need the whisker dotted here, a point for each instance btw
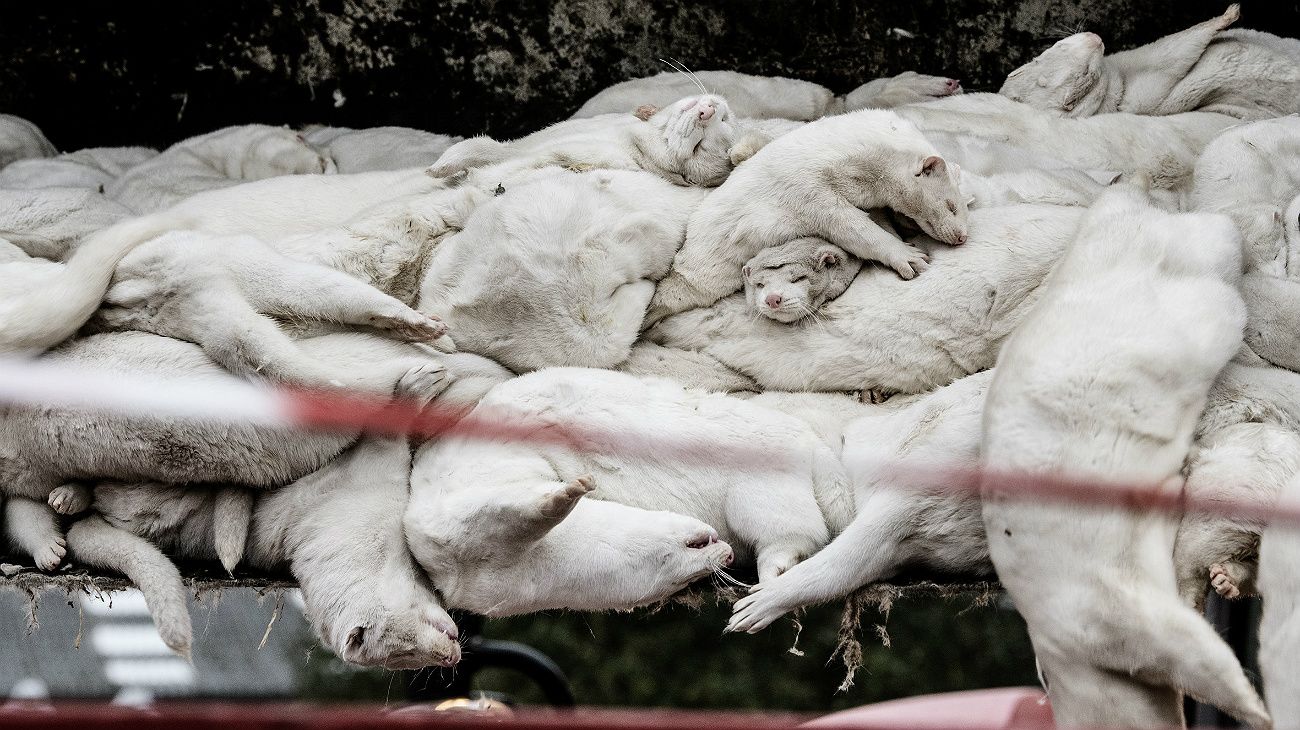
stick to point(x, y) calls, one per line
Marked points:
point(694, 77)
point(729, 579)
point(681, 68)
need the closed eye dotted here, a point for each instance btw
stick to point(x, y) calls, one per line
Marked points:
point(801, 278)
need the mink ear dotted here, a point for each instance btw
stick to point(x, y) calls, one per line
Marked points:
point(827, 257)
point(931, 165)
point(645, 111)
point(356, 637)
point(746, 271)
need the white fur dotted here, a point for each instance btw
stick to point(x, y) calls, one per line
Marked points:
point(902, 520)
point(49, 223)
point(1073, 78)
point(1105, 380)
point(1165, 148)
point(43, 452)
point(1273, 322)
point(559, 270)
point(43, 303)
point(292, 205)
point(1054, 187)
point(92, 168)
point(767, 97)
point(215, 160)
point(1279, 630)
point(1242, 73)
point(1251, 174)
point(817, 181)
point(693, 141)
point(21, 140)
point(772, 514)
point(890, 334)
point(390, 244)
point(750, 96)
point(338, 530)
point(221, 292)
point(691, 369)
point(502, 528)
point(379, 148)
point(1246, 463)
point(908, 87)
point(793, 280)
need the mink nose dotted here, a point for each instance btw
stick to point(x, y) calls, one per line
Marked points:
point(953, 84)
point(961, 238)
point(706, 111)
point(773, 300)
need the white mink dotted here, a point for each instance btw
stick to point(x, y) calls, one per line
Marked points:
point(284, 211)
point(44, 453)
point(888, 334)
point(21, 140)
point(818, 180)
point(1279, 628)
point(42, 303)
point(92, 168)
point(1074, 78)
point(1251, 173)
point(779, 505)
point(50, 223)
point(507, 551)
point(378, 148)
point(1273, 319)
point(693, 141)
point(1165, 148)
point(908, 87)
point(902, 517)
point(292, 205)
point(1245, 463)
point(558, 270)
point(1245, 393)
point(338, 530)
point(1105, 380)
point(1244, 74)
point(931, 433)
point(687, 367)
point(793, 280)
point(767, 97)
point(218, 159)
point(1053, 187)
point(223, 293)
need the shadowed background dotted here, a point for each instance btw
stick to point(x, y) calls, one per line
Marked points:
point(152, 73)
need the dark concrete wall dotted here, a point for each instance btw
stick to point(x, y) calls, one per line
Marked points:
point(111, 73)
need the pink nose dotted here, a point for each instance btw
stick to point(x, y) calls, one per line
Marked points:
point(706, 112)
point(961, 238)
point(773, 300)
point(953, 84)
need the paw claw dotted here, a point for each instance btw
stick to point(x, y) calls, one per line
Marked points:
point(1222, 582)
point(912, 264)
point(582, 485)
point(423, 383)
point(412, 325)
point(49, 557)
point(70, 499)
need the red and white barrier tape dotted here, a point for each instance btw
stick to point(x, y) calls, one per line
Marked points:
point(42, 384)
